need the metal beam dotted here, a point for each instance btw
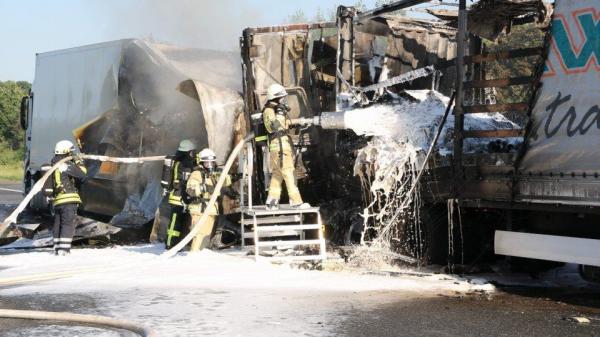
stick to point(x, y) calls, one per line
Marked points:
point(504, 133)
point(512, 107)
point(501, 82)
point(461, 44)
point(394, 6)
point(503, 55)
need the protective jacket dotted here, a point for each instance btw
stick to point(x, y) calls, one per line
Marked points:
point(200, 187)
point(64, 181)
point(277, 124)
point(181, 174)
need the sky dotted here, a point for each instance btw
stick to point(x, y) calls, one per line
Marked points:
point(28, 27)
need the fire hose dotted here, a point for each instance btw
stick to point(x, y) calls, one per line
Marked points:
point(94, 320)
point(99, 320)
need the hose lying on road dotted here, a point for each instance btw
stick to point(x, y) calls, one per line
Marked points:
point(40, 183)
point(92, 320)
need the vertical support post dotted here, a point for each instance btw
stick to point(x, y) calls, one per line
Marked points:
point(461, 42)
point(322, 248)
point(250, 172)
point(254, 226)
point(242, 167)
point(345, 56)
point(475, 48)
point(242, 229)
point(302, 233)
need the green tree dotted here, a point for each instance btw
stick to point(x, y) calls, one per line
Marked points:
point(297, 17)
point(11, 134)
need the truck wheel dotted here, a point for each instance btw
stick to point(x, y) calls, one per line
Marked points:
point(39, 202)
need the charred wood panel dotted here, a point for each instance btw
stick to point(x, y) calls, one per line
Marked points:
point(493, 133)
point(514, 107)
point(501, 82)
point(503, 55)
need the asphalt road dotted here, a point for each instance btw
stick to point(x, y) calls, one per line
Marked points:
point(521, 310)
point(10, 192)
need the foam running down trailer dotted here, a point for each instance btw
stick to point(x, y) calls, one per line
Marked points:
point(536, 198)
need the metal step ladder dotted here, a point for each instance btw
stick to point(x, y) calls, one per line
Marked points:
point(286, 227)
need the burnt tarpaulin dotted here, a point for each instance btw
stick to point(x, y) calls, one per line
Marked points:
point(279, 58)
point(151, 118)
point(220, 107)
point(413, 44)
point(566, 116)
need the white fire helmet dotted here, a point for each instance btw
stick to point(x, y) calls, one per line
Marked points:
point(275, 91)
point(64, 147)
point(207, 155)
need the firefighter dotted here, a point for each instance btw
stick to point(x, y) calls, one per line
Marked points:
point(277, 123)
point(66, 197)
point(200, 187)
point(183, 164)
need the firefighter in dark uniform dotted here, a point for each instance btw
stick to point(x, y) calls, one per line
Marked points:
point(66, 197)
point(183, 164)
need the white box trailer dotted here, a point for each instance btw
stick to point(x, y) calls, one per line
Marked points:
point(71, 87)
point(128, 98)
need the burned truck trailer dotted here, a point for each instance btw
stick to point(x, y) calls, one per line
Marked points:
point(530, 191)
point(128, 98)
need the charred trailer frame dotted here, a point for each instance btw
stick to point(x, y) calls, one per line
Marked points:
point(342, 60)
point(491, 188)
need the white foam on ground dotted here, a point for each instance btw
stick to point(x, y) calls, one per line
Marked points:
point(211, 293)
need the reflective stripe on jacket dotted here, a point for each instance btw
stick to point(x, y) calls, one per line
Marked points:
point(277, 126)
point(200, 186)
point(65, 191)
point(180, 176)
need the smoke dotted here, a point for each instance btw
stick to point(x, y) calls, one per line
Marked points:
point(202, 24)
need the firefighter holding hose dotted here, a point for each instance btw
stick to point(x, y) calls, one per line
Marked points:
point(278, 123)
point(66, 198)
point(174, 182)
point(200, 187)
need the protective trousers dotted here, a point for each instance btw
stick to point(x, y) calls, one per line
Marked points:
point(282, 169)
point(202, 239)
point(65, 221)
point(176, 226)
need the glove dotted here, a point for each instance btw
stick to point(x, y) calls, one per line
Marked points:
point(77, 159)
point(236, 176)
point(231, 193)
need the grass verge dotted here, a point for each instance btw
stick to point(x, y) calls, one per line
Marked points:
point(11, 172)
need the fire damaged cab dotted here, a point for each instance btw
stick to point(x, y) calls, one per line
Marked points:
point(128, 98)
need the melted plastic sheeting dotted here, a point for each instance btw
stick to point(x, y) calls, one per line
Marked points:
point(155, 110)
